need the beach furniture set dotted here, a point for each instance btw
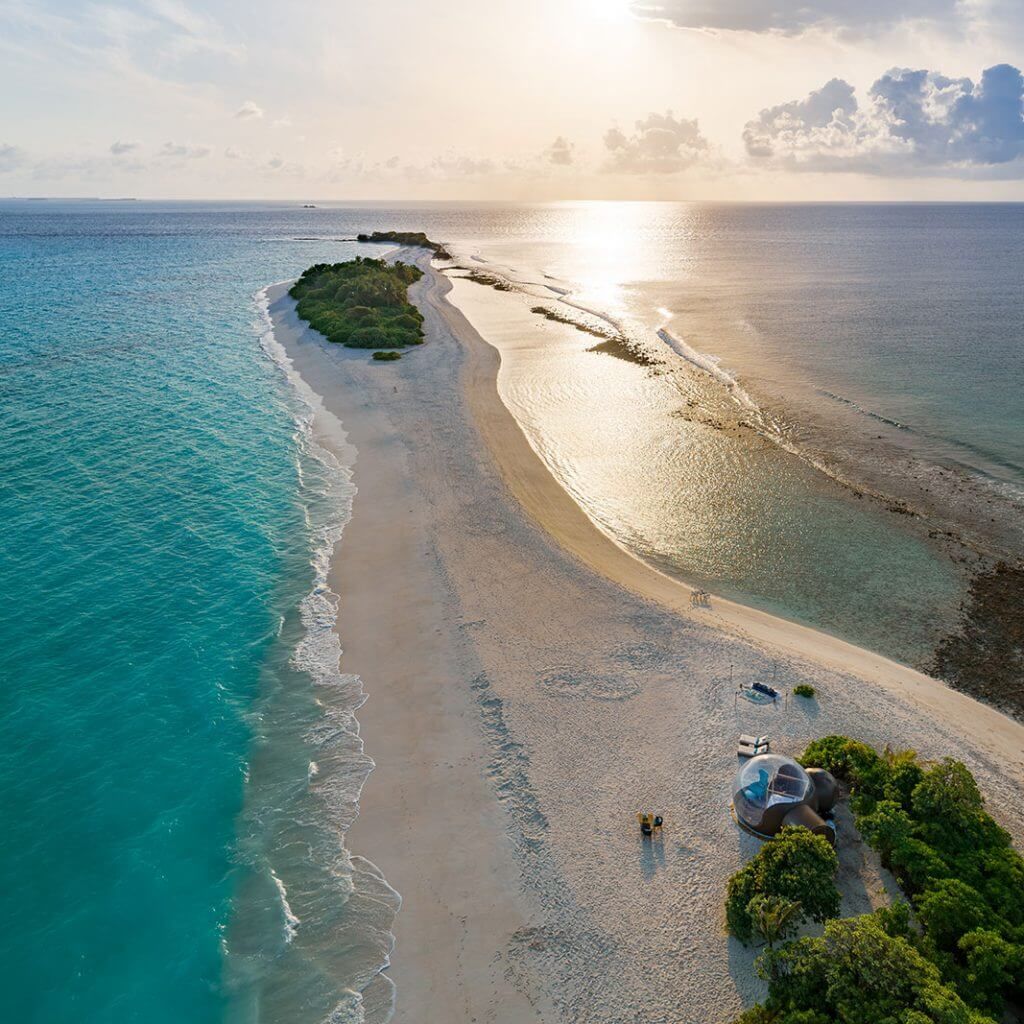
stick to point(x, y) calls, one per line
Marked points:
point(752, 746)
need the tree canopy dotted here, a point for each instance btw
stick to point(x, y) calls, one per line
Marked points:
point(796, 867)
point(362, 303)
point(953, 953)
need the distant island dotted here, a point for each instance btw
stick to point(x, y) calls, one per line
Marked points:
point(412, 238)
point(362, 303)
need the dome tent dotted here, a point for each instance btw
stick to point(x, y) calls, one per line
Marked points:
point(771, 791)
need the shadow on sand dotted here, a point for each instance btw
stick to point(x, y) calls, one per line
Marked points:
point(652, 855)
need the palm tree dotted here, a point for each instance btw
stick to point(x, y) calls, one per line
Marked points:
point(775, 918)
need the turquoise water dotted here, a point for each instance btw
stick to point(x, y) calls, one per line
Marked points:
point(156, 543)
point(177, 755)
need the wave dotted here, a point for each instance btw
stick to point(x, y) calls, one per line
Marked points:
point(291, 921)
point(709, 364)
point(354, 907)
point(865, 412)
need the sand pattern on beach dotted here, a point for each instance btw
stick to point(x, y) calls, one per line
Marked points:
point(523, 707)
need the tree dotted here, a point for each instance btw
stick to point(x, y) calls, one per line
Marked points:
point(857, 973)
point(904, 774)
point(949, 909)
point(798, 867)
point(994, 967)
point(949, 805)
point(851, 761)
point(917, 864)
point(887, 827)
point(774, 918)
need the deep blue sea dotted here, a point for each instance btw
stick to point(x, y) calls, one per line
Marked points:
point(175, 784)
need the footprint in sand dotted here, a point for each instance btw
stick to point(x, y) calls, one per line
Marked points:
point(572, 684)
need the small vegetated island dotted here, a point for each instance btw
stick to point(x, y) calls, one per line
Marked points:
point(362, 303)
point(950, 952)
point(415, 239)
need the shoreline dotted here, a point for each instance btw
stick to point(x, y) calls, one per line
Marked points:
point(380, 575)
point(530, 684)
point(953, 543)
point(547, 502)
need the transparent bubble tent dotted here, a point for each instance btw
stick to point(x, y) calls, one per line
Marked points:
point(771, 791)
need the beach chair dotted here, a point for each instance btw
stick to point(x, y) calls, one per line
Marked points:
point(751, 746)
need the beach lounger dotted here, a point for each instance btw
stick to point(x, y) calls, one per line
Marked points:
point(751, 746)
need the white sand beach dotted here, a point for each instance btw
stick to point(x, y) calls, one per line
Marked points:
point(531, 686)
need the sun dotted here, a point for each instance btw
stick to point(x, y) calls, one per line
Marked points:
point(608, 10)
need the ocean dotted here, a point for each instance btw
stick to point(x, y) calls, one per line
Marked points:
point(178, 752)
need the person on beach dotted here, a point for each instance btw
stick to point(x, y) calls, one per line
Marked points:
point(649, 823)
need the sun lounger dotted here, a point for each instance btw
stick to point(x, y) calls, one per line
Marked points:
point(751, 746)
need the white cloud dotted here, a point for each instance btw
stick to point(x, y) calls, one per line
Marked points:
point(10, 158)
point(913, 122)
point(178, 151)
point(790, 17)
point(249, 111)
point(661, 144)
point(560, 152)
point(122, 148)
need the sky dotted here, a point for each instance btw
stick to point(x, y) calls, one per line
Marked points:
point(513, 99)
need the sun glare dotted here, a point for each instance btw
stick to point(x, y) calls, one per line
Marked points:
point(608, 10)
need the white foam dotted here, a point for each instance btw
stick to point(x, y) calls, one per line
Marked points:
point(709, 364)
point(324, 461)
point(291, 922)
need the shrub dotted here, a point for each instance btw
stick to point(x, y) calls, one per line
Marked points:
point(950, 909)
point(962, 957)
point(887, 828)
point(798, 867)
point(858, 973)
point(855, 763)
point(992, 966)
point(804, 690)
point(386, 357)
point(361, 303)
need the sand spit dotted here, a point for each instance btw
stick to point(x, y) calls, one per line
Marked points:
point(531, 686)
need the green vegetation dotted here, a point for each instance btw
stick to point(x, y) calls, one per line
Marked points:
point(361, 304)
point(952, 954)
point(804, 690)
point(796, 867)
point(416, 239)
point(860, 971)
point(387, 357)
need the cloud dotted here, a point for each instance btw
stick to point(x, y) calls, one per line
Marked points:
point(791, 17)
point(660, 145)
point(11, 158)
point(913, 122)
point(176, 151)
point(249, 111)
point(560, 152)
point(121, 148)
point(461, 166)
